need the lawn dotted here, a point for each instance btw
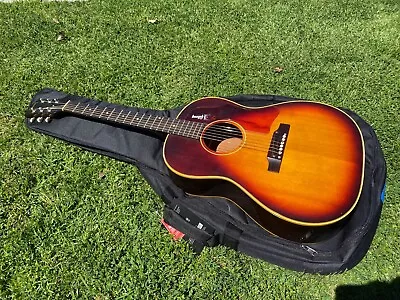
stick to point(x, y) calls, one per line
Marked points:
point(74, 224)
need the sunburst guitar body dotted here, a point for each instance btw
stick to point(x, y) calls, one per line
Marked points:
point(290, 166)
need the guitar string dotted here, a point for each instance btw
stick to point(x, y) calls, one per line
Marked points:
point(109, 115)
point(214, 129)
point(73, 108)
point(182, 131)
point(139, 119)
point(216, 137)
point(217, 128)
point(212, 134)
point(276, 145)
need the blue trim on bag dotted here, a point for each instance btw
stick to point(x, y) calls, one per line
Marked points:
point(383, 193)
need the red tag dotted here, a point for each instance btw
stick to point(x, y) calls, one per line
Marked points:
point(176, 234)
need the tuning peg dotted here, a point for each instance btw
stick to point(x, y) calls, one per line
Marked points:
point(31, 120)
point(47, 120)
point(40, 119)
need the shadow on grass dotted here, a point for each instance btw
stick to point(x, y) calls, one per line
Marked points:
point(373, 290)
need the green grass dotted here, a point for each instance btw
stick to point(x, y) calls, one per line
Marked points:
point(65, 232)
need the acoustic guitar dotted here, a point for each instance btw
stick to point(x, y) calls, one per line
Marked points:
point(293, 167)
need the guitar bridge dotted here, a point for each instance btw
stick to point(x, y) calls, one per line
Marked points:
point(277, 147)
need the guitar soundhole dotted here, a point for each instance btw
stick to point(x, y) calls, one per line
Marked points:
point(222, 138)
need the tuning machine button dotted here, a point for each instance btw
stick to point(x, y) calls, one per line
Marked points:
point(31, 120)
point(39, 119)
point(47, 120)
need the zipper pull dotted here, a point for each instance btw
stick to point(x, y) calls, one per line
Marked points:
point(310, 250)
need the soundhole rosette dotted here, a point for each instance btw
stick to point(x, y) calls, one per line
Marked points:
point(222, 137)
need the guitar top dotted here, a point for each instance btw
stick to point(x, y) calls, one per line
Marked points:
point(301, 161)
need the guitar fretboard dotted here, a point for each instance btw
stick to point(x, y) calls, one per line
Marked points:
point(126, 117)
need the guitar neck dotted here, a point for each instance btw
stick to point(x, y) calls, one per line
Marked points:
point(125, 117)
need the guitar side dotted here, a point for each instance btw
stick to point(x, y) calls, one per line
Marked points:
point(316, 181)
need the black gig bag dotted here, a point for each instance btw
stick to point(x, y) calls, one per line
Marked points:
point(212, 221)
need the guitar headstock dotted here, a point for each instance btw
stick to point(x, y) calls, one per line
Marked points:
point(45, 110)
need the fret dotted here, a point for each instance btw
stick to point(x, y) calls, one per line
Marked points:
point(65, 105)
point(93, 110)
point(75, 107)
point(133, 118)
point(169, 128)
point(183, 127)
point(173, 125)
point(200, 129)
point(191, 127)
point(102, 112)
point(197, 132)
point(178, 126)
point(188, 134)
point(156, 127)
point(116, 119)
point(162, 124)
point(85, 109)
point(147, 120)
point(109, 115)
point(126, 117)
point(140, 120)
point(187, 129)
point(165, 124)
point(152, 124)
